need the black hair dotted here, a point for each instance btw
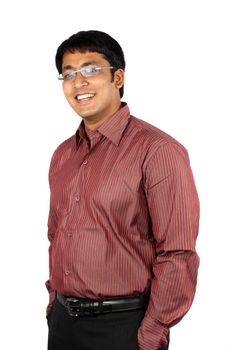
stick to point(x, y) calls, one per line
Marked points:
point(93, 41)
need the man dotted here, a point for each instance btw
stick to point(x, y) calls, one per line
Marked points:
point(123, 215)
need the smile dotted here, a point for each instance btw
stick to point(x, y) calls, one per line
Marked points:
point(84, 97)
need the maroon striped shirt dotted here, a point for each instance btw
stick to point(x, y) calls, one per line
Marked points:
point(123, 220)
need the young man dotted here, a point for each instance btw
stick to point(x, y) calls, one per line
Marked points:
point(123, 216)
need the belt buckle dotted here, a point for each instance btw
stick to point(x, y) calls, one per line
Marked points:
point(73, 310)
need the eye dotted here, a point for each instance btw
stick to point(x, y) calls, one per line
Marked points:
point(89, 71)
point(69, 75)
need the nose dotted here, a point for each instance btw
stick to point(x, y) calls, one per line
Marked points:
point(80, 81)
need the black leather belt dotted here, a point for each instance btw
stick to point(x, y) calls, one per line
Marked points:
point(89, 307)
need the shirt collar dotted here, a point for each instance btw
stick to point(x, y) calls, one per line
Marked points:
point(112, 128)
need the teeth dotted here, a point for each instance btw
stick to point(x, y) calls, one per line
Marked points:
point(81, 97)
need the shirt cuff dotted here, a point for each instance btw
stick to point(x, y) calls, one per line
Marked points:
point(51, 301)
point(152, 335)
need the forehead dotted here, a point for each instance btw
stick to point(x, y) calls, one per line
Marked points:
point(78, 59)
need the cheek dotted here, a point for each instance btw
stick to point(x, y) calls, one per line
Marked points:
point(68, 96)
point(66, 90)
point(106, 90)
point(104, 84)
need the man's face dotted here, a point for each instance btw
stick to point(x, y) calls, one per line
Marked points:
point(94, 98)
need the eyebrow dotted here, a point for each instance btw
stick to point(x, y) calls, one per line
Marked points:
point(70, 66)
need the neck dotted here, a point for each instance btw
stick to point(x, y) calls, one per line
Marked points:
point(91, 125)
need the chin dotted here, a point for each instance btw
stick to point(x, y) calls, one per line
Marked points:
point(86, 114)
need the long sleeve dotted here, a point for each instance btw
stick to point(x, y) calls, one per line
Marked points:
point(174, 210)
point(51, 232)
point(52, 226)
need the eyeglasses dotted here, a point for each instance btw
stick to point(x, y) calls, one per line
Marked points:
point(88, 71)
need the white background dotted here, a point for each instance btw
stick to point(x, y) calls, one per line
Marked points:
point(179, 77)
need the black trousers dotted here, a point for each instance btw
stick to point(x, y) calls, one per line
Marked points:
point(113, 331)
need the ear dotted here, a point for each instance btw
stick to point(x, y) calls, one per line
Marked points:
point(119, 78)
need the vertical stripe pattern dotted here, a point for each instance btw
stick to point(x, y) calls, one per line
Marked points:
point(123, 220)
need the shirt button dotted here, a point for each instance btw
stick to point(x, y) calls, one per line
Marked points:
point(67, 272)
point(77, 198)
point(85, 161)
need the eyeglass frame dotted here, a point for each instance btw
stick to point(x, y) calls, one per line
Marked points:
point(81, 70)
